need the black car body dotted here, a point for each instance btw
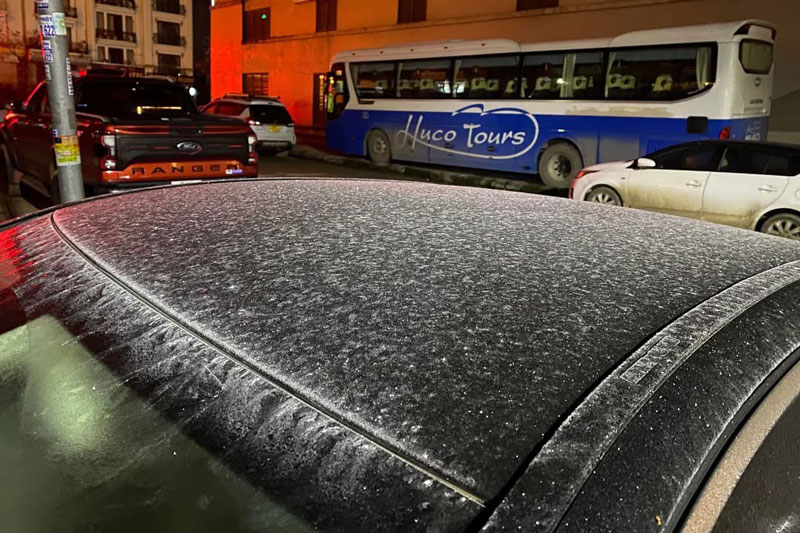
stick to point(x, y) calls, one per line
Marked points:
point(379, 356)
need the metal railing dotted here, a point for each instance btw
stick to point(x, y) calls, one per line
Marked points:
point(70, 11)
point(169, 6)
point(130, 4)
point(79, 48)
point(169, 38)
point(115, 35)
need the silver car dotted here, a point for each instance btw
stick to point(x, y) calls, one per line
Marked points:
point(268, 118)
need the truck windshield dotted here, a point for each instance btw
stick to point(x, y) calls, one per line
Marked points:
point(130, 100)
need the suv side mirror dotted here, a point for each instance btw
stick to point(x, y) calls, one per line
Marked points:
point(643, 163)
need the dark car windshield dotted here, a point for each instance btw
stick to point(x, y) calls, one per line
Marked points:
point(270, 114)
point(127, 99)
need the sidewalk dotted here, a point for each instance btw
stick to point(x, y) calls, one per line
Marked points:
point(447, 176)
point(13, 205)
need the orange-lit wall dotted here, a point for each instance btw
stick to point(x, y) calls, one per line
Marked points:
point(226, 49)
point(295, 53)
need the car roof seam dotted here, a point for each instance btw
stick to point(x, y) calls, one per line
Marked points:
point(427, 471)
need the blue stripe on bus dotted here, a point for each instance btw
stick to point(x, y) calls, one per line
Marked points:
point(511, 139)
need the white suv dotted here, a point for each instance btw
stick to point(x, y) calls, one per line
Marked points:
point(268, 118)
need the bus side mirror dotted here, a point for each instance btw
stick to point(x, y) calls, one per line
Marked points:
point(643, 163)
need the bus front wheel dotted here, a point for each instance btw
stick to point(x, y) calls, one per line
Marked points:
point(378, 148)
point(559, 164)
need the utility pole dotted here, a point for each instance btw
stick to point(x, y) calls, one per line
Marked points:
point(60, 93)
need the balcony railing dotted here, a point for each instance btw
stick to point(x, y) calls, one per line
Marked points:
point(70, 11)
point(116, 35)
point(169, 6)
point(130, 4)
point(79, 48)
point(169, 38)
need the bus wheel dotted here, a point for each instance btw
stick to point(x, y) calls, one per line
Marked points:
point(559, 164)
point(378, 147)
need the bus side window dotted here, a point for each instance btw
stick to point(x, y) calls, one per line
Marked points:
point(374, 80)
point(427, 78)
point(487, 77)
point(544, 74)
point(659, 73)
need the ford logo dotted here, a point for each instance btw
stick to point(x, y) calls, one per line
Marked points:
point(189, 147)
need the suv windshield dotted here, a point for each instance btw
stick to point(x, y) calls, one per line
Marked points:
point(270, 114)
point(134, 99)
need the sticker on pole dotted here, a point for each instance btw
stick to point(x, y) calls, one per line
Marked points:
point(59, 23)
point(46, 25)
point(47, 51)
point(67, 150)
point(42, 6)
point(70, 88)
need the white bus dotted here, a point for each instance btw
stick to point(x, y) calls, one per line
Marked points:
point(552, 108)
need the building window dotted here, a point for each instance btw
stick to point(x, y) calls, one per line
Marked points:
point(255, 25)
point(326, 15)
point(524, 5)
point(129, 56)
point(169, 64)
point(168, 33)
point(411, 11)
point(115, 55)
point(256, 84)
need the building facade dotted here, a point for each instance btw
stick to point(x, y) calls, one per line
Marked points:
point(148, 36)
point(282, 47)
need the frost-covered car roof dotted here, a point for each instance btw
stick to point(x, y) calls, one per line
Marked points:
point(413, 348)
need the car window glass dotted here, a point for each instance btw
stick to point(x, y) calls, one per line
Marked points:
point(743, 160)
point(210, 108)
point(270, 114)
point(126, 99)
point(229, 108)
point(783, 165)
point(692, 158)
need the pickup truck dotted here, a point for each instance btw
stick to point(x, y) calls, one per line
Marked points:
point(131, 132)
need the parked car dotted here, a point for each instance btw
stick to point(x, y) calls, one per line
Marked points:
point(746, 184)
point(268, 117)
point(344, 355)
point(131, 132)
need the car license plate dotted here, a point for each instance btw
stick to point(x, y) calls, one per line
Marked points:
point(274, 129)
